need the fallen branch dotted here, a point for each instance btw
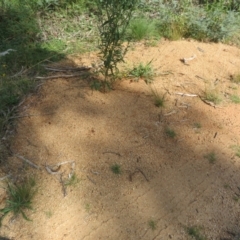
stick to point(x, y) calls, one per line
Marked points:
point(52, 171)
point(27, 161)
point(209, 103)
point(62, 76)
point(7, 52)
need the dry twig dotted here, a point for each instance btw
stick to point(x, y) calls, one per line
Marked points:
point(27, 161)
point(62, 76)
point(187, 94)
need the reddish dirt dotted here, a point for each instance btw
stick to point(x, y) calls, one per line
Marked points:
point(168, 181)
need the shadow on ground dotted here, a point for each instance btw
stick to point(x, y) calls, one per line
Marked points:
point(167, 184)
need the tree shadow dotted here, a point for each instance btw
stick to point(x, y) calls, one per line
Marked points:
point(184, 189)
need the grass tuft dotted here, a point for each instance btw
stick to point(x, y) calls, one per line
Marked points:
point(170, 132)
point(20, 198)
point(211, 157)
point(152, 224)
point(235, 99)
point(145, 72)
point(159, 99)
point(212, 95)
point(197, 125)
point(72, 181)
point(195, 232)
point(116, 169)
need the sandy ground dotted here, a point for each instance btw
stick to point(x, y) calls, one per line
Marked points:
point(166, 184)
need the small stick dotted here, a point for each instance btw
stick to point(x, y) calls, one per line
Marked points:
point(62, 76)
point(200, 78)
point(209, 103)
point(27, 161)
point(68, 69)
point(187, 94)
point(91, 180)
point(50, 171)
point(168, 114)
point(186, 60)
point(113, 153)
point(143, 174)
point(137, 170)
point(63, 186)
point(62, 163)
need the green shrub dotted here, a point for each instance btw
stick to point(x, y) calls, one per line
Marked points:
point(113, 19)
point(142, 28)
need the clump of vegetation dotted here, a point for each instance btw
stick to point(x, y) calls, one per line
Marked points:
point(211, 157)
point(20, 198)
point(197, 125)
point(235, 99)
point(235, 78)
point(195, 232)
point(116, 169)
point(72, 181)
point(170, 132)
point(49, 214)
point(212, 95)
point(214, 21)
point(152, 224)
point(143, 71)
point(236, 148)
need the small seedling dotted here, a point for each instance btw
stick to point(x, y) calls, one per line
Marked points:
point(72, 181)
point(195, 232)
point(236, 148)
point(49, 213)
point(211, 157)
point(116, 169)
point(159, 100)
point(170, 132)
point(87, 207)
point(145, 72)
point(197, 125)
point(152, 224)
point(235, 98)
point(20, 198)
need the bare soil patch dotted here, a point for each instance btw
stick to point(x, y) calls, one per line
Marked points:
point(166, 185)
